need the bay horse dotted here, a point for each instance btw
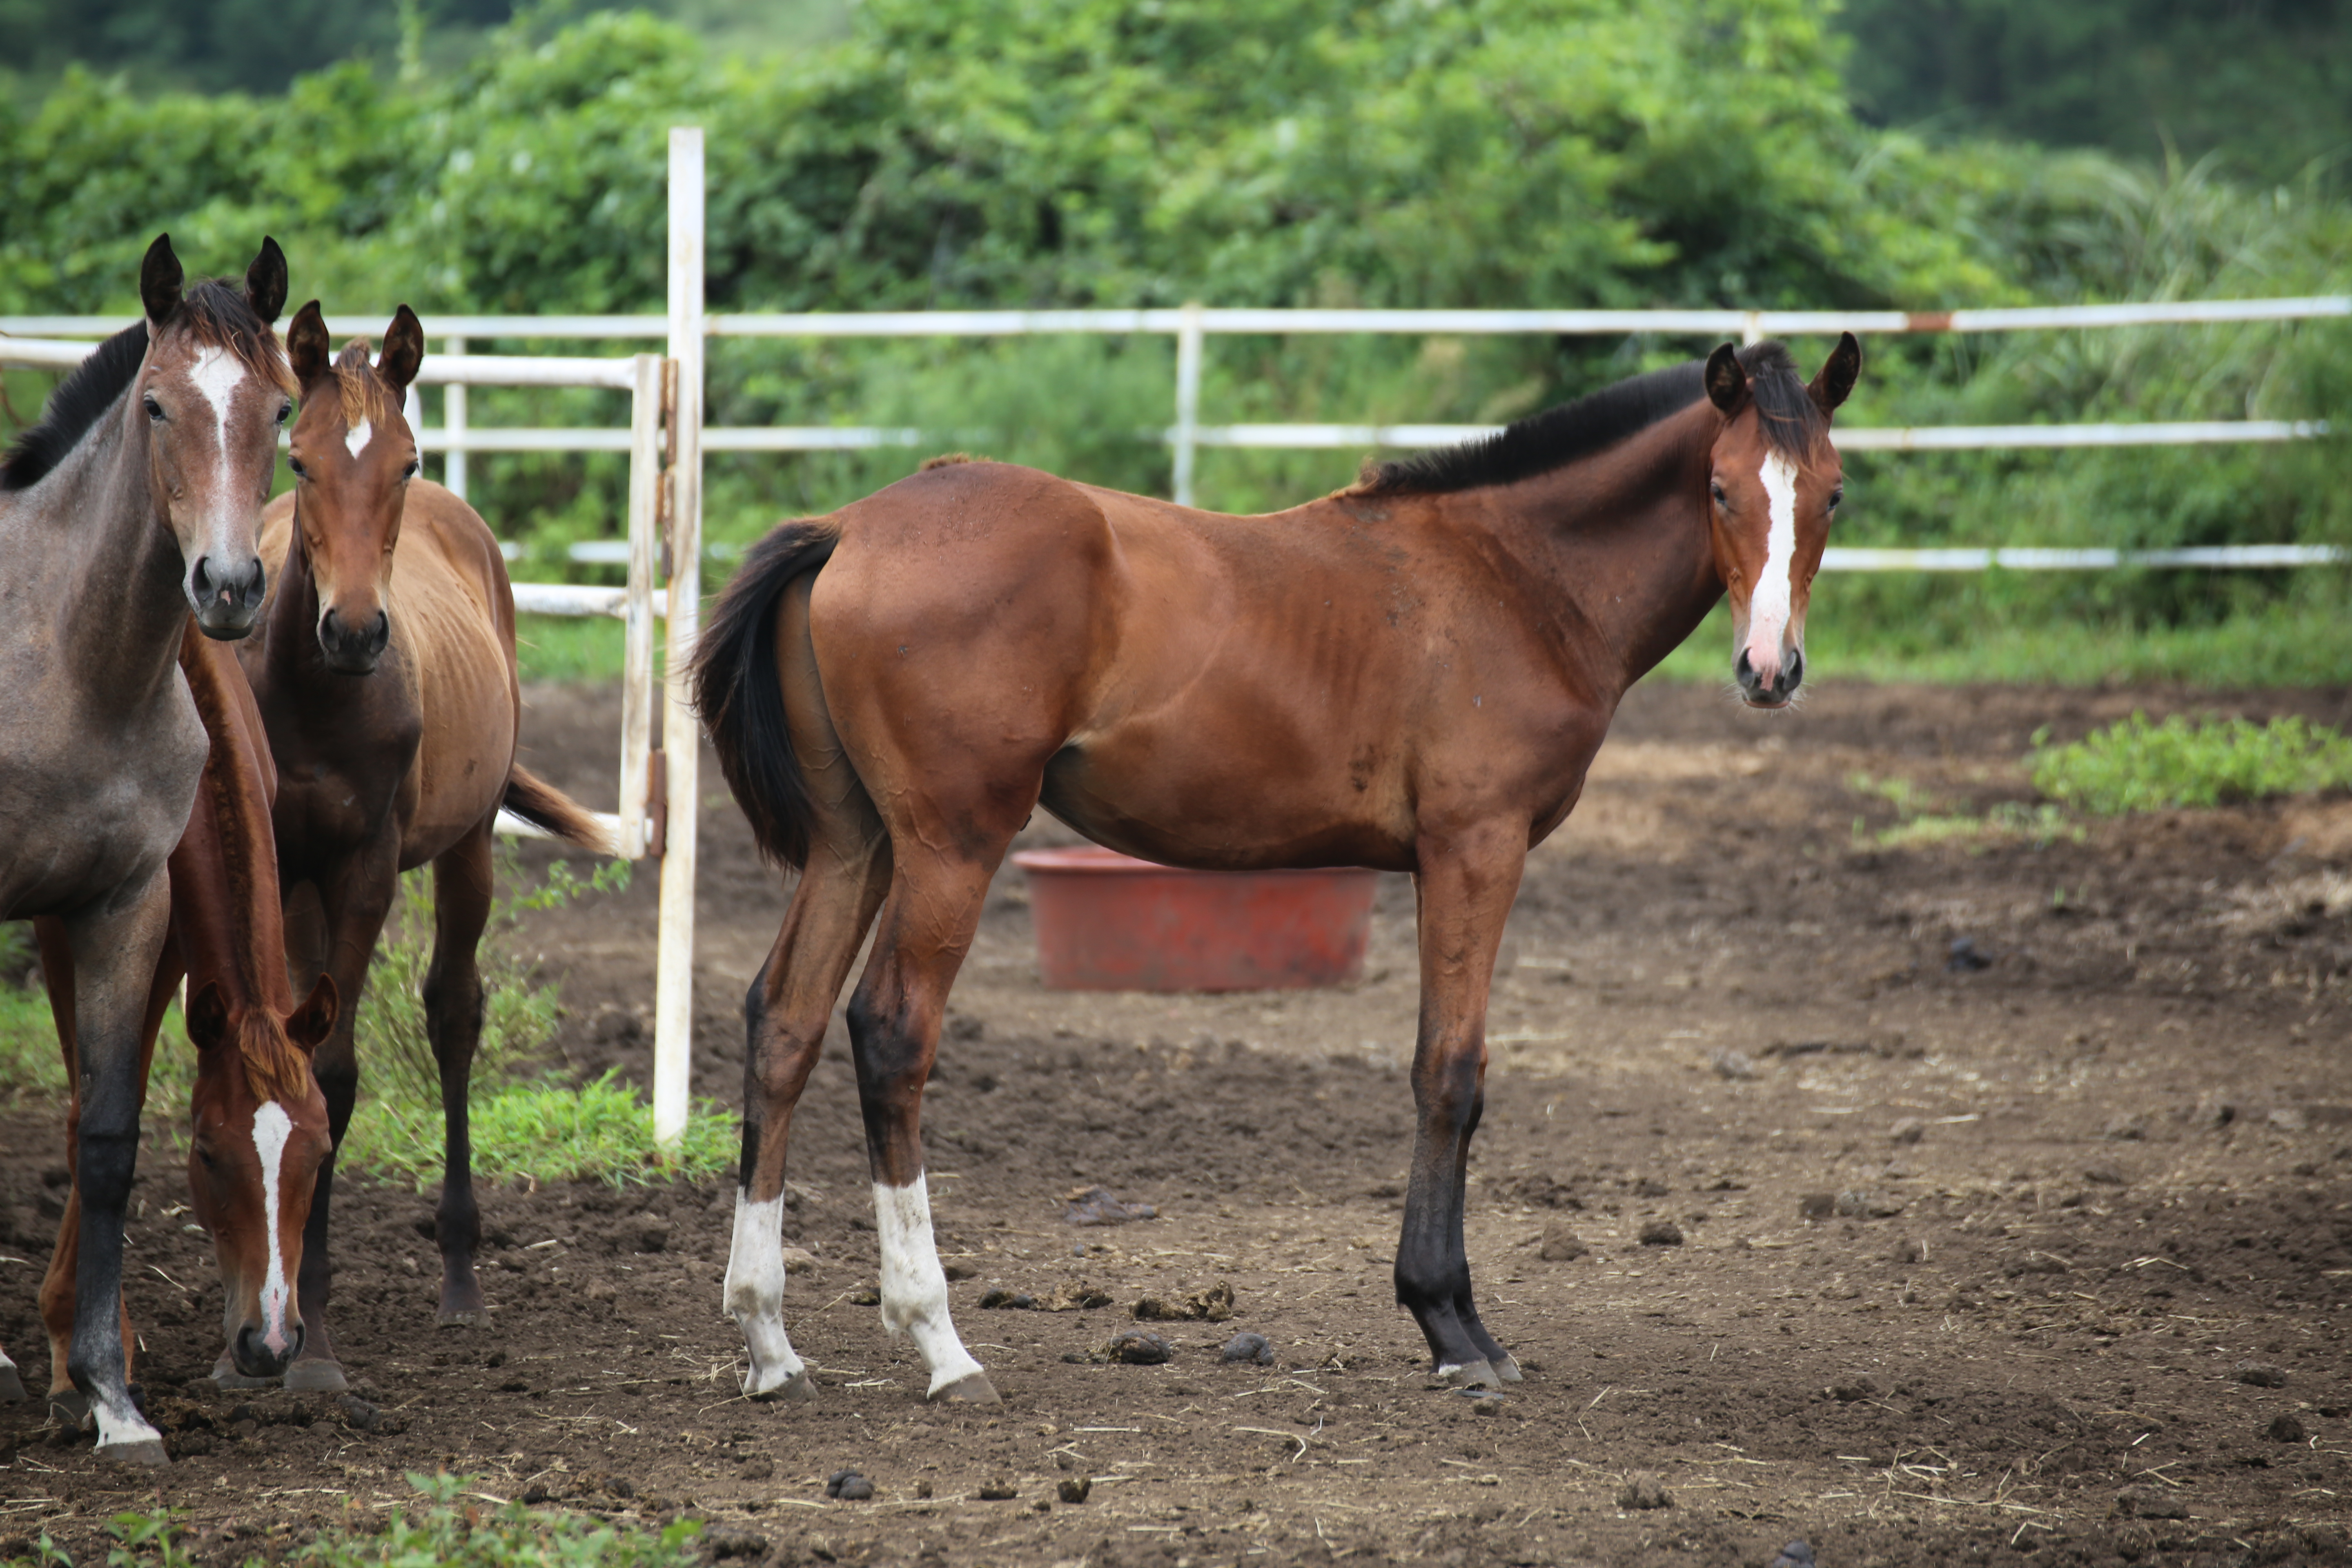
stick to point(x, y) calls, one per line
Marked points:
point(131, 503)
point(1412, 674)
point(384, 670)
point(259, 1121)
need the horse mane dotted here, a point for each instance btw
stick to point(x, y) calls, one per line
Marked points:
point(1559, 436)
point(365, 394)
point(213, 308)
point(87, 391)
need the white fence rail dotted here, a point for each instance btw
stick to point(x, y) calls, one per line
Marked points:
point(666, 441)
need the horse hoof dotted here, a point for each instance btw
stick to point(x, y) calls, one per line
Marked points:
point(142, 1453)
point(1508, 1369)
point(794, 1390)
point(972, 1388)
point(68, 1406)
point(226, 1377)
point(320, 1377)
point(1470, 1374)
point(11, 1387)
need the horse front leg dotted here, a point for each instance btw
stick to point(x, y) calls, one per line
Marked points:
point(452, 1023)
point(1464, 889)
point(785, 1019)
point(111, 956)
point(894, 1036)
point(333, 929)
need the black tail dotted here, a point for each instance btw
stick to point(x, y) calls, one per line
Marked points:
point(737, 693)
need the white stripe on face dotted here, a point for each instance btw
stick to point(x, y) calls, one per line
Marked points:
point(217, 375)
point(356, 438)
point(1769, 606)
point(914, 1285)
point(271, 1128)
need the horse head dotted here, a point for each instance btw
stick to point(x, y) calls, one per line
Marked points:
point(213, 391)
point(352, 458)
point(260, 1138)
point(1773, 487)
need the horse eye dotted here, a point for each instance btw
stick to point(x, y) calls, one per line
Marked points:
point(299, 471)
point(1836, 496)
point(409, 472)
point(154, 409)
point(284, 411)
point(1715, 489)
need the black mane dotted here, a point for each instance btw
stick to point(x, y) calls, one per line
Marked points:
point(74, 408)
point(1542, 442)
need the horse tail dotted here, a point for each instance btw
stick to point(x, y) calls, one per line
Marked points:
point(741, 697)
point(543, 805)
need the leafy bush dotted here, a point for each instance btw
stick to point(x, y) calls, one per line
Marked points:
point(2136, 766)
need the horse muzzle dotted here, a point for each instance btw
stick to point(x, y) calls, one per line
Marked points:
point(353, 648)
point(250, 1349)
point(1759, 690)
point(227, 596)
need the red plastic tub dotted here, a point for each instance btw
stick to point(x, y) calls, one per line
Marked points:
point(1108, 922)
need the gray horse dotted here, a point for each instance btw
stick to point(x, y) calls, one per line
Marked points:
point(135, 500)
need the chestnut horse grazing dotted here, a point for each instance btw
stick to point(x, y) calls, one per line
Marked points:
point(132, 502)
point(1412, 675)
point(384, 669)
point(260, 1124)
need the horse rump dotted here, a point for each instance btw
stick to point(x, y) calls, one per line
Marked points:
point(739, 696)
point(543, 805)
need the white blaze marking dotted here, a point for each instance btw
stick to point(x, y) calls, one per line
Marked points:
point(914, 1285)
point(271, 1128)
point(754, 1294)
point(1769, 606)
point(356, 438)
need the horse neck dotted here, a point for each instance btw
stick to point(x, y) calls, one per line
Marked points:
point(1624, 537)
point(122, 607)
point(285, 655)
point(225, 871)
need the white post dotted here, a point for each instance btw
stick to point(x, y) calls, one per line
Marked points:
point(637, 613)
point(452, 421)
point(1751, 331)
point(1188, 400)
point(674, 982)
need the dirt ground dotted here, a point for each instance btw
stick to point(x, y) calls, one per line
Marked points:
point(2036, 1250)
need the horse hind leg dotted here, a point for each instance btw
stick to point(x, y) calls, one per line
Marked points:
point(786, 1015)
point(453, 1024)
point(893, 1032)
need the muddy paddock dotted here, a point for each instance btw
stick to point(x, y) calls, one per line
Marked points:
point(1804, 1222)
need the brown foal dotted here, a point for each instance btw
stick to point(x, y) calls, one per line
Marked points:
point(1412, 675)
point(260, 1124)
point(384, 670)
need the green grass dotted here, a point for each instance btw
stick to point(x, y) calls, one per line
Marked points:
point(2139, 766)
point(1922, 819)
point(453, 1529)
point(543, 1132)
point(529, 1122)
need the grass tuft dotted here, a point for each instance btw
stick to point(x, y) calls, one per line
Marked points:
point(543, 1132)
point(454, 1529)
point(2139, 766)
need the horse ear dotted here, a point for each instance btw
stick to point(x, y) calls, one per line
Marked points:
point(306, 344)
point(1838, 375)
point(159, 280)
point(208, 1017)
point(1726, 379)
point(315, 1019)
point(404, 350)
point(265, 281)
